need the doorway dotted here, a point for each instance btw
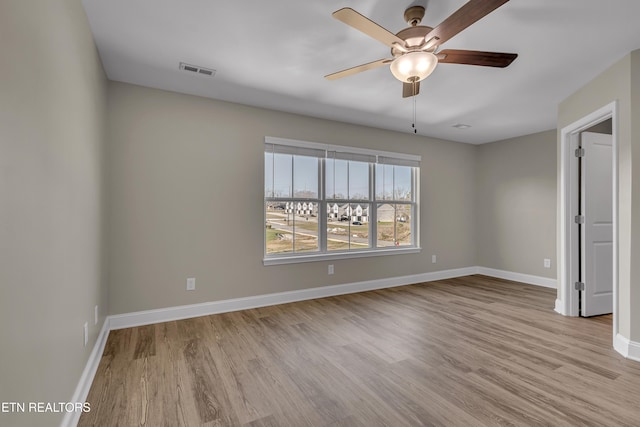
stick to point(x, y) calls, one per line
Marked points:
point(571, 271)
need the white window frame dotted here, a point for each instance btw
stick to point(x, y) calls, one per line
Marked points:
point(380, 157)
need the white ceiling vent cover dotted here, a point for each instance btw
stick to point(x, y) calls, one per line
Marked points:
point(461, 126)
point(196, 69)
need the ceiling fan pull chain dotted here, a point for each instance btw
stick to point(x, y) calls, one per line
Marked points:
point(415, 130)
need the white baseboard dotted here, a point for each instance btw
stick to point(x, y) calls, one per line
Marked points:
point(86, 379)
point(559, 308)
point(629, 349)
point(518, 277)
point(148, 317)
point(128, 320)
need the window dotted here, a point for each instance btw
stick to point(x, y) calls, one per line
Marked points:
point(324, 201)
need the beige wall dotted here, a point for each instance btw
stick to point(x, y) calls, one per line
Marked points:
point(52, 123)
point(186, 200)
point(516, 204)
point(618, 83)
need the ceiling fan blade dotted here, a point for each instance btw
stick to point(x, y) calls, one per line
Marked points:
point(468, 14)
point(358, 69)
point(410, 89)
point(367, 26)
point(475, 57)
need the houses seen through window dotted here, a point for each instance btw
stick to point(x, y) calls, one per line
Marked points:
point(322, 199)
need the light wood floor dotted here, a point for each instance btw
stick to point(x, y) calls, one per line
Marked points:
point(470, 351)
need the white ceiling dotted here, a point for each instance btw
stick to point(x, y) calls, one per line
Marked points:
point(275, 53)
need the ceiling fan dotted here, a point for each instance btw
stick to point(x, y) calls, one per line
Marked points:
point(415, 49)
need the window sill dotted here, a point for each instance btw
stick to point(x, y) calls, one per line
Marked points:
point(295, 259)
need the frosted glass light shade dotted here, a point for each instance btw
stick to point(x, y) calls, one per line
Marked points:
point(413, 66)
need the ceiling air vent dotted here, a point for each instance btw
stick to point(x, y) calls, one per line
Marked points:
point(461, 126)
point(196, 69)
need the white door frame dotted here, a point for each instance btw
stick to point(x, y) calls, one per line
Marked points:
point(567, 302)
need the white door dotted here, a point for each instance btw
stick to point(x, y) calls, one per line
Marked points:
point(597, 229)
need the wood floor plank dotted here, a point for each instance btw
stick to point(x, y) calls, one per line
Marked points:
point(469, 351)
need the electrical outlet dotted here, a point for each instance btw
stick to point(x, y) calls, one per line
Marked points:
point(191, 284)
point(433, 259)
point(547, 263)
point(95, 315)
point(86, 333)
point(330, 268)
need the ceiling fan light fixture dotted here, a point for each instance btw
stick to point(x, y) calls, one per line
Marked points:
point(413, 66)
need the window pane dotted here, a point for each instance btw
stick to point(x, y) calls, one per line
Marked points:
point(384, 182)
point(305, 227)
point(268, 174)
point(282, 184)
point(278, 236)
point(402, 183)
point(403, 224)
point(393, 182)
point(358, 180)
point(394, 225)
point(348, 228)
point(386, 232)
point(329, 186)
point(359, 228)
point(336, 179)
point(305, 178)
point(291, 227)
point(338, 222)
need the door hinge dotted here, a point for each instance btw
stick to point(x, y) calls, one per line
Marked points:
point(579, 152)
point(579, 286)
point(579, 219)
